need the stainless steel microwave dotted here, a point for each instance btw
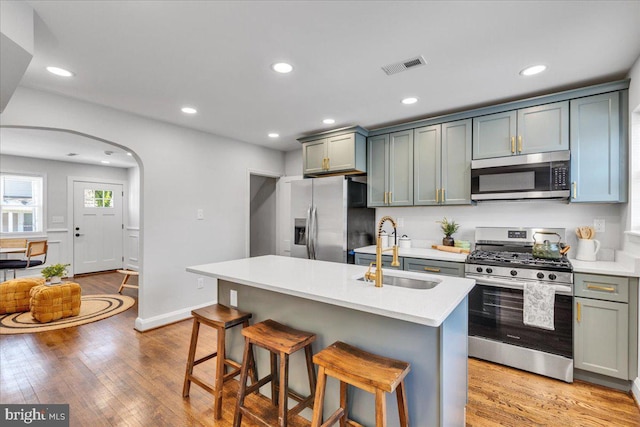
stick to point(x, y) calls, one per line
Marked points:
point(529, 176)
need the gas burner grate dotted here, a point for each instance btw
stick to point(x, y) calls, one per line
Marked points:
point(518, 259)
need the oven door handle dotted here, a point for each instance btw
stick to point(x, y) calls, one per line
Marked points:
point(515, 284)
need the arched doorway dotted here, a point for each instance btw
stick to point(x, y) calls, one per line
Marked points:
point(62, 157)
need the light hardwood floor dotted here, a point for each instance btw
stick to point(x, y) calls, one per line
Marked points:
point(112, 375)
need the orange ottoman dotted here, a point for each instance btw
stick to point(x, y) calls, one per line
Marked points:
point(55, 302)
point(15, 294)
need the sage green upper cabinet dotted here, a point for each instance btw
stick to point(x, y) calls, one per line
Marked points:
point(494, 135)
point(442, 164)
point(341, 152)
point(597, 170)
point(530, 130)
point(390, 174)
point(314, 154)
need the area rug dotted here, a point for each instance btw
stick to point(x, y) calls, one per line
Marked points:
point(92, 308)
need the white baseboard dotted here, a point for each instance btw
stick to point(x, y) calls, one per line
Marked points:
point(635, 389)
point(143, 325)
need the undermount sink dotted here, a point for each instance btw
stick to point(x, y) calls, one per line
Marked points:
point(406, 282)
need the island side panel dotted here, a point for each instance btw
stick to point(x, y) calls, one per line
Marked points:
point(455, 365)
point(414, 343)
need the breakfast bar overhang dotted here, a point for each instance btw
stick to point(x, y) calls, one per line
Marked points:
point(425, 327)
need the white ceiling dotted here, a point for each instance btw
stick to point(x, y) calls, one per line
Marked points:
point(152, 57)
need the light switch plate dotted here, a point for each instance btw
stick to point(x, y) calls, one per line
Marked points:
point(200, 283)
point(200, 214)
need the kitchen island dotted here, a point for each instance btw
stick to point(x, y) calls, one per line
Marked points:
point(427, 328)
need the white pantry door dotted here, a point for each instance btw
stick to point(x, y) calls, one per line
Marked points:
point(97, 227)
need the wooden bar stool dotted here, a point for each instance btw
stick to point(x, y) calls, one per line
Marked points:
point(367, 371)
point(127, 274)
point(221, 318)
point(281, 341)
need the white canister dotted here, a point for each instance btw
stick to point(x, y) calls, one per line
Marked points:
point(404, 242)
point(587, 249)
point(384, 239)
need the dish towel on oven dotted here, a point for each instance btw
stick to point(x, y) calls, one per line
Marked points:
point(538, 304)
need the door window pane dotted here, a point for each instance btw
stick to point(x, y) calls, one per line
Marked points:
point(98, 198)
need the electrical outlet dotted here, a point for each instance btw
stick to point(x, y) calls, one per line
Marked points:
point(598, 225)
point(233, 298)
point(400, 222)
point(200, 283)
point(200, 214)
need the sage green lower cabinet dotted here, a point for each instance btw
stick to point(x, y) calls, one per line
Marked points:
point(605, 319)
point(600, 343)
point(367, 259)
point(430, 266)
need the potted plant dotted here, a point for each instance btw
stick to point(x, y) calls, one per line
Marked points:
point(448, 228)
point(54, 273)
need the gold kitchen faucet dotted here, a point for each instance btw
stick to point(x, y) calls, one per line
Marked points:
point(376, 276)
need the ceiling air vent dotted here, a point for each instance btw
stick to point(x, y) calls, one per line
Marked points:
point(404, 65)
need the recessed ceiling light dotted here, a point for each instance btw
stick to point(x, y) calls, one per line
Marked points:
point(129, 154)
point(274, 135)
point(410, 100)
point(189, 110)
point(535, 69)
point(328, 121)
point(106, 162)
point(282, 67)
point(60, 72)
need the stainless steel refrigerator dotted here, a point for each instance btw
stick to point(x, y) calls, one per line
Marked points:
point(330, 218)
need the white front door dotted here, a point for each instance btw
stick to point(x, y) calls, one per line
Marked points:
point(97, 227)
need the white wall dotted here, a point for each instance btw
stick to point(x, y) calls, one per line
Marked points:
point(632, 211)
point(293, 163)
point(181, 171)
point(132, 222)
point(58, 220)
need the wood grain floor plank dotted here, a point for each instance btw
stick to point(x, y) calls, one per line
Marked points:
point(112, 375)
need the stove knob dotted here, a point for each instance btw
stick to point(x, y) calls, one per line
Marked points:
point(552, 276)
point(479, 269)
point(514, 273)
point(540, 276)
point(489, 270)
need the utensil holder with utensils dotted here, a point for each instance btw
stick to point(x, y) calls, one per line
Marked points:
point(588, 246)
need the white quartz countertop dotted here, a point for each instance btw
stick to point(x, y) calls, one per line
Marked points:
point(335, 283)
point(612, 268)
point(424, 253)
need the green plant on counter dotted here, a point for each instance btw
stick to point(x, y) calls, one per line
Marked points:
point(448, 227)
point(55, 270)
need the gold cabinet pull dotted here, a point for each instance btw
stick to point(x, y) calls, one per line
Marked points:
point(601, 288)
point(437, 195)
point(443, 195)
point(579, 312)
point(390, 197)
point(328, 163)
point(520, 143)
point(324, 164)
point(385, 198)
point(575, 189)
point(432, 269)
point(513, 145)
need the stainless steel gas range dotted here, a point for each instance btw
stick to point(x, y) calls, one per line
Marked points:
point(503, 265)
